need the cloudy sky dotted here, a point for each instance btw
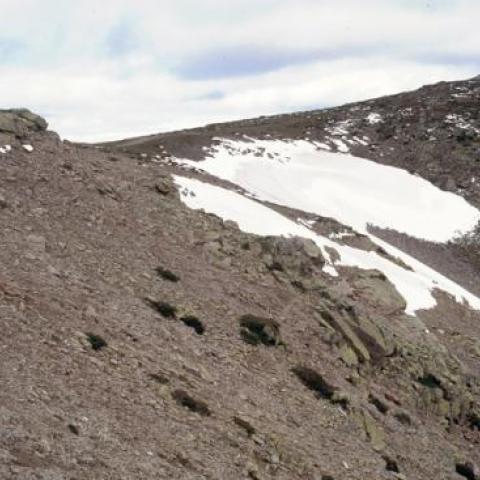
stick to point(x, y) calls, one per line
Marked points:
point(105, 69)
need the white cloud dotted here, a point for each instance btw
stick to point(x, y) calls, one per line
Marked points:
point(324, 54)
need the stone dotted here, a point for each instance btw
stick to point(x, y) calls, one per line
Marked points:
point(19, 122)
point(378, 289)
point(245, 424)
point(468, 469)
point(163, 186)
point(373, 431)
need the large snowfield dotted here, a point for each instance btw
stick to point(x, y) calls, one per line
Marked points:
point(354, 191)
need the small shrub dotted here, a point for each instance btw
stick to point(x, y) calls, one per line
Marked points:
point(164, 308)
point(257, 330)
point(194, 405)
point(96, 341)
point(315, 382)
point(195, 323)
point(167, 275)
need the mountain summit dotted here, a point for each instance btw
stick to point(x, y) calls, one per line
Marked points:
point(290, 297)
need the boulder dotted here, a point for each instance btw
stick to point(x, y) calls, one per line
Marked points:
point(19, 122)
point(297, 258)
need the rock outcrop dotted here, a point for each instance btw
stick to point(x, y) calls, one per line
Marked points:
point(19, 123)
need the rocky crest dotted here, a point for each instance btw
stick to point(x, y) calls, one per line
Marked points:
point(19, 122)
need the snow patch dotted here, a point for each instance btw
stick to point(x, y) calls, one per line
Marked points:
point(374, 118)
point(415, 286)
point(460, 122)
point(28, 148)
point(355, 191)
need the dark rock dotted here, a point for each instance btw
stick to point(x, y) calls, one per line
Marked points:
point(258, 330)
point(159, 378)
point(96, 341)
point(185, 400)
point(74, 429)
point(391, 464)
point(469, 470)
point(315, 382)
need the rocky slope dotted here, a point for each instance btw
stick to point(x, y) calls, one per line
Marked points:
point(144, 339)
point(433, 132)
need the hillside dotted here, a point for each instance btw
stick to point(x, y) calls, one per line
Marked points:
point(204, 304)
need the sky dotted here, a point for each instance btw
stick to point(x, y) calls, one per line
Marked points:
point(110, 69)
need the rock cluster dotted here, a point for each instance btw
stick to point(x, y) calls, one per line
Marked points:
point(19, 123)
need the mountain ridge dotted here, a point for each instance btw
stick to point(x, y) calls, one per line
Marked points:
point(146, 338)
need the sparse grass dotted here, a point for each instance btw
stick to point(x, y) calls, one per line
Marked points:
point(193, 322)
point(187, 401)
point(167, 274)
point(96, 341)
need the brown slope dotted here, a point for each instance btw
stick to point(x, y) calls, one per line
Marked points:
point(344, 387)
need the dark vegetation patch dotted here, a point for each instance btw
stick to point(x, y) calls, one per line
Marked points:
point(159, 378)
point(474, 420)
point(163, 308)
point(430, 381)
point(391, 464)
point(96, 341)
point(245, 245)
point(74, 429)
point(315, 382)
point(185, 400)
point(167, 274)
point(193, 322)
point(275, 266)
point(379, 404)
point(258, 330)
